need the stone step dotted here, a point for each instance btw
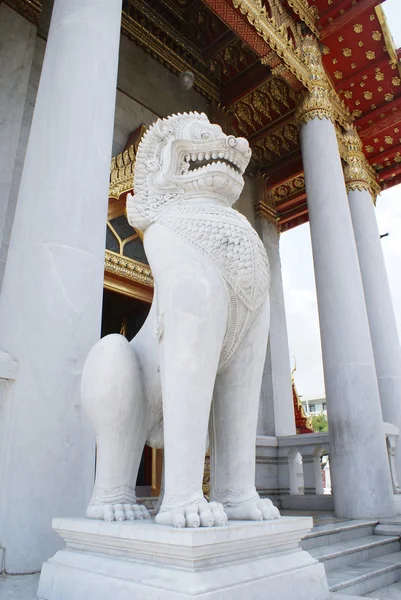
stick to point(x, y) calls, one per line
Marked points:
point(392, 592)
point(349, 552)
point(333, 533)
point(365, 577)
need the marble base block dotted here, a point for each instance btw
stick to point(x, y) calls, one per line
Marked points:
point(141, 560)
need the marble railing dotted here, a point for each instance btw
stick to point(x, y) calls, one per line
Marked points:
point(294, 475)
point(289, 469)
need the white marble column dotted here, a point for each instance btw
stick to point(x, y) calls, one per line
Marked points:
point(50, 306)
point(276, 409)
point(382, 323)
point(358, 457)
point(17, 43)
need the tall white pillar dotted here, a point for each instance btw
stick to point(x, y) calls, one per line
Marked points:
point(276, 409)
point(17, 43)
point(382, 322)
point(358, 457)
point(50, 306)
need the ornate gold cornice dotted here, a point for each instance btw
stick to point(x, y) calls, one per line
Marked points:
point(305, 13)
point(303, 61)
point(388, 38)
point(276, 36)
point(128, 268)
point(358, 174)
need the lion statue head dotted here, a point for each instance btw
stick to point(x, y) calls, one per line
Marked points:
point(185, 155)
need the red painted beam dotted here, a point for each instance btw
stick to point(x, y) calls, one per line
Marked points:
point(298, 212)
point(333, 10)
point(387, 155)
point(285, 169)
point(392, 115)
point(284, 206)
point(355, 12)
point(245, 83)
point(386, 185)
point(389, 173)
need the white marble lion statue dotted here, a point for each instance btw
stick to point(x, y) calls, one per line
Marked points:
point(194, 370)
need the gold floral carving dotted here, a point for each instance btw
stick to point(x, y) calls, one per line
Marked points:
point(263, 104)
point(358, 174)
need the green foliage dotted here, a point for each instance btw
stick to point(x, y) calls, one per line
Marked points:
point(319, 423)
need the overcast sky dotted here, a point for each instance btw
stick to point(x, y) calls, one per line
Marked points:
point(298, 275)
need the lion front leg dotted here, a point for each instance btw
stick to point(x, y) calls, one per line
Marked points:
point(113, 398)
point(193, 308)
point(234, 422)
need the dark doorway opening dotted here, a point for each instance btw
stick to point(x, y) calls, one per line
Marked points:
point(126, 315)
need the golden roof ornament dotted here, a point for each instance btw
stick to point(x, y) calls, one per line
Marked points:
point(317, 102)
point(358, 174)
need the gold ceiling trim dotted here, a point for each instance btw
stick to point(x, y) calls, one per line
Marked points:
point(276, 37)
point(304, 11)
point(128, 268)
point(388, 38)
point(165, 55)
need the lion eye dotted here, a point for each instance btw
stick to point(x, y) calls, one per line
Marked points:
point(206, 135)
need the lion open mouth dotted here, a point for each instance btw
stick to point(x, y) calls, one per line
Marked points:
point(193, 162)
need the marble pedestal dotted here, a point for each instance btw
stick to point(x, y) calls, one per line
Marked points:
point(141, 560)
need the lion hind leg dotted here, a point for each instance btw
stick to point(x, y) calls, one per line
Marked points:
point(113, 398)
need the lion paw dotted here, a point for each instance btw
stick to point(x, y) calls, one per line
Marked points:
point(254, 510)
point(203, 514)
point(117, 512)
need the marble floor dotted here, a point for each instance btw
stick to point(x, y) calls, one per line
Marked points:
point(18, 587)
